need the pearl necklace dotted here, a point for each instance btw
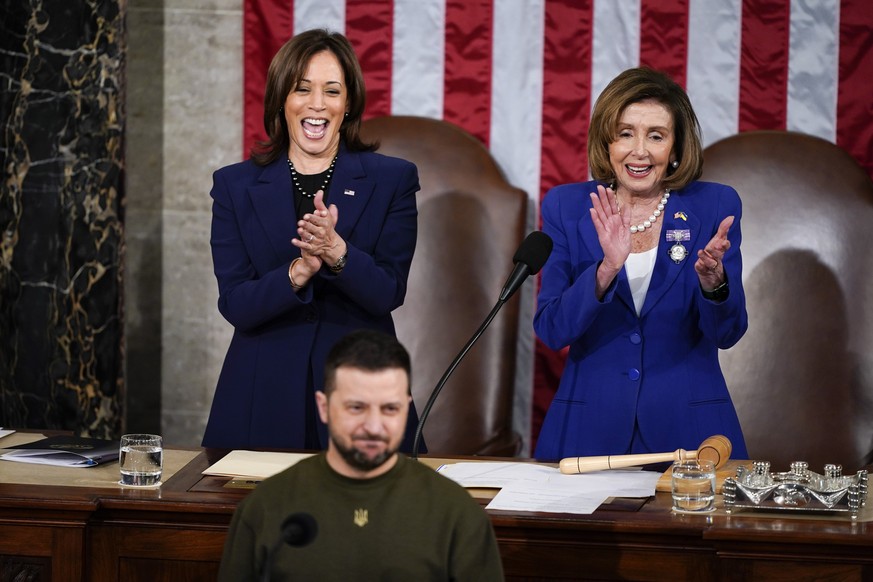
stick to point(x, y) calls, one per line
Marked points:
point(328, 173)
point(654, 217)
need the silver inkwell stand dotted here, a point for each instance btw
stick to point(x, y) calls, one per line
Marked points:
point(796, 490)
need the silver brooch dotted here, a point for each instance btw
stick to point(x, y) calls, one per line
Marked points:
point(678, 252)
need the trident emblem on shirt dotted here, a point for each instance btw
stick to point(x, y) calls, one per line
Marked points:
point(361, 517)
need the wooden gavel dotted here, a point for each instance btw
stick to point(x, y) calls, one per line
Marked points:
point(716, 448)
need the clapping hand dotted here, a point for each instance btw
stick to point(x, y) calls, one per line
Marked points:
point(613, 229)
point(709, 264)
point(317, 233)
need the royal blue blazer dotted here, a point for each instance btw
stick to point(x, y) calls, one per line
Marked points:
point(281, 338)
point(657, 373)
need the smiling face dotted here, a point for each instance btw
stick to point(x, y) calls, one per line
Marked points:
point(642, 148)
point(366, 417)
point(314, 112)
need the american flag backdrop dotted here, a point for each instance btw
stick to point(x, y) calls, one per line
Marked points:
point(522, 75)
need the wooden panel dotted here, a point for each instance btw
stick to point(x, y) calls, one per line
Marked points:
point(133, 552)
point(597, 551)
point(606, 561)
point(142, 570)
point(14, 568)
point(48, 552)
point(793, 571)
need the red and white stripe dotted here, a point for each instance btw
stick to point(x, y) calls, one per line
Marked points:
point(522, 75)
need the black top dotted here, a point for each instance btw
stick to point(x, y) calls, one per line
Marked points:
point(305, 186)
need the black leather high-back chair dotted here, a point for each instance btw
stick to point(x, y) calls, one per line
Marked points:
point(470, 222)
point(802, 377)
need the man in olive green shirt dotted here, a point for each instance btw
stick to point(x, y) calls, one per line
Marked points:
point(377, 514)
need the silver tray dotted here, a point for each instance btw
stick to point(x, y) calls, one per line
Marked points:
point(796, 490)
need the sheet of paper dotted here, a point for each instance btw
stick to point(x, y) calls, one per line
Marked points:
point(531, 487)
point(5, 432)
point(254, 465)
point(552, 497)
point(496, 474)
point(616, 482)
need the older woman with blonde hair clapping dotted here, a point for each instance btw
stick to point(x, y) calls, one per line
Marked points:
point(644, 283)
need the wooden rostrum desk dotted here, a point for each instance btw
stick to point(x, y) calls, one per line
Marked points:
point(104, 532)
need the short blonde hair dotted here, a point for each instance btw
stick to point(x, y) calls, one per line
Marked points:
point(633, 86)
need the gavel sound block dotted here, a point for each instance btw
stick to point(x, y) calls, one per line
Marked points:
point(716, 448)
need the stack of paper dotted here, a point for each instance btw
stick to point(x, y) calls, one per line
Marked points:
point(253, 465)
point(532, 487)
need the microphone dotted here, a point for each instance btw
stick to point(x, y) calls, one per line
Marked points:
point(298, 530)
point(529, 259)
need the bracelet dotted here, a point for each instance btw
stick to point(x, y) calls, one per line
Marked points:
point(290, 278)
point(720, 293)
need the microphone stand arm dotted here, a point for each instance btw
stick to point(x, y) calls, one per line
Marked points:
point(433, 396)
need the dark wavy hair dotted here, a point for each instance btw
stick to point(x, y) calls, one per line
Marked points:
point(287, 69)
point(633, 86)
point(369, 350)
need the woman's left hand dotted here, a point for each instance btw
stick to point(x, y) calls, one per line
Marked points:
point(709, 264)
point(317, 232)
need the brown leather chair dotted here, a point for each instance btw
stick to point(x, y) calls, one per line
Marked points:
point(802, 377)
point(470, 222)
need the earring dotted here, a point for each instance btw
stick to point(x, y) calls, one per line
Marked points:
point(675, 164)
point(347, 113)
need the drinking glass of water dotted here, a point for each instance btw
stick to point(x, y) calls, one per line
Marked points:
point(141, 459)
point(693, 485)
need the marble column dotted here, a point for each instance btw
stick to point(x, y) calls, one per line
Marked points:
point(61, 215)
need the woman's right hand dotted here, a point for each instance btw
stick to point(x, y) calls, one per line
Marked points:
point(613, 232)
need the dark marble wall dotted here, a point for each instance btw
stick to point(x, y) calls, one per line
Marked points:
point(61, 214)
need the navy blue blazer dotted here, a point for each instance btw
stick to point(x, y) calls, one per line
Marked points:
point(276, 358)
point(657, 372)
